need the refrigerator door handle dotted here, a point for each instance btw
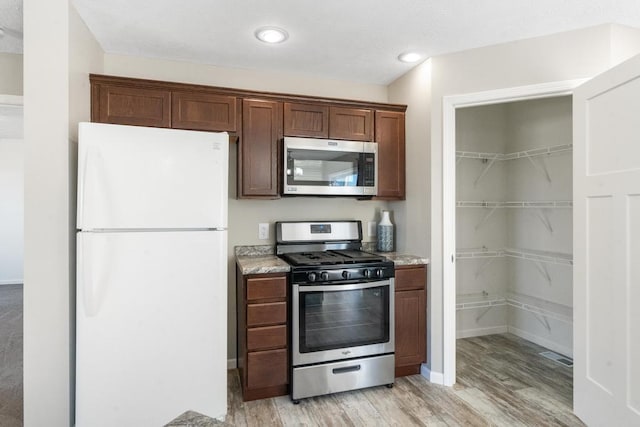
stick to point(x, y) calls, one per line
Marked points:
point(81, 186)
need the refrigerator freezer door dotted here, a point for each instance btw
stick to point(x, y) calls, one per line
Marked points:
point(151, 327)
point(133, 177)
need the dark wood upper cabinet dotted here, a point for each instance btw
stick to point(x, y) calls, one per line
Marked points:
point(355, 124)
point(258, 121)
point(132, 106)
point(258, 155)
point(306, 120)
point(203, 111)
point(391, 155)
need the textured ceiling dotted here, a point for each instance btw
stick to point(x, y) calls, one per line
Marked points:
point(356, 40)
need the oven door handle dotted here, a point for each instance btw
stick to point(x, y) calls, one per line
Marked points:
point(345, 287)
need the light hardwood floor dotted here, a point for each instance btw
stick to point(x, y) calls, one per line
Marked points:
point(501, 381)
point(10, 355)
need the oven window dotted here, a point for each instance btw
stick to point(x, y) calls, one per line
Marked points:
point(326, 168)
point(338, 319)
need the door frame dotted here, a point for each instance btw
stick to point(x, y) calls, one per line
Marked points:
point(449, 106)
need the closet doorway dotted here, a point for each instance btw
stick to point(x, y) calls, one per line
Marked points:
point(494, 208)
point(11, 260)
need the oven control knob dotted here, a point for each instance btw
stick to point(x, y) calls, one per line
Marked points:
point(378, 272)
point(367, 273)
point(346, 274)
point(324, 276)
point(311, 277)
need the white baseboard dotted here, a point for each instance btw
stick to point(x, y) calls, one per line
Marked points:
point(232, 363)
point(558, 348)
point(468, 333)
point(11, 282)
point(433, 377)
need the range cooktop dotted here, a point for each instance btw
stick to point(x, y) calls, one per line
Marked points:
point(331, 257)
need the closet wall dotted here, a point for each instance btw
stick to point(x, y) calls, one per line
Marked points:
point(514, 230)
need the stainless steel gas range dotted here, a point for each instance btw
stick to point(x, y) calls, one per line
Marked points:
point(342, 319)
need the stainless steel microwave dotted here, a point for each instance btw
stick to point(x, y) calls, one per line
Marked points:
point(328, 167)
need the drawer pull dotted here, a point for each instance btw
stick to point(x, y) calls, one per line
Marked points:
point(346, 369)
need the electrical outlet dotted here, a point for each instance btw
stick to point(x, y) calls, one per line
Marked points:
point(372, 228)
point(263, 231)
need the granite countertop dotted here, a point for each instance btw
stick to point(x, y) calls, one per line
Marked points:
point(398, 258)
point(262, 259)
point(259, 260)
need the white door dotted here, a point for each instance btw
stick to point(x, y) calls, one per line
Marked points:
point(137, 177)
point(607, 247)
point(151, 327)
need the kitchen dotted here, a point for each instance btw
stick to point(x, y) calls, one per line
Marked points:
point(62, 98)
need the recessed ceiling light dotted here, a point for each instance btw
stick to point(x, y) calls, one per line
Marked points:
point(409, 57)
point(271, 34)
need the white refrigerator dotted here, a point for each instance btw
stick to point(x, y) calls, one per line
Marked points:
point(151, 300)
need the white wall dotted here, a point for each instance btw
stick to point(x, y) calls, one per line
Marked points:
point(11, 75)
point(52, 59)
point(571, 55)
point(245, 215)
point(412, 215)
point(481, 129)
point(11, 210)
point(268, 81)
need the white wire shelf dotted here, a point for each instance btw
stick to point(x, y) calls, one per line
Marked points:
point(479, 300)
point(540, 256)
point(537, 204)
point(540, 307)
point(537, 306)
point(553, 149)
point(527, 254)
point(479, 253)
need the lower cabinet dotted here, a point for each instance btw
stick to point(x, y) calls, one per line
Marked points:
point(263, 356)
point(410, 318)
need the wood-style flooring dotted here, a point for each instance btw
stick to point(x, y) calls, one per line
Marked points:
point(501, 381)
point(11, 355)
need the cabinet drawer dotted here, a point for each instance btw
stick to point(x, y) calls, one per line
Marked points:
point(266, 338)
point(266, 287)
point(267, 368)
point(411, 278)
point(266, 314)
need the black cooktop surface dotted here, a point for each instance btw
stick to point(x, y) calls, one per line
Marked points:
point(331, 257)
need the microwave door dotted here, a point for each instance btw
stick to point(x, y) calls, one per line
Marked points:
point(328, 172)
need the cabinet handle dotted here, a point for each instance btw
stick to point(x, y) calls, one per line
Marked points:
point(346, 369)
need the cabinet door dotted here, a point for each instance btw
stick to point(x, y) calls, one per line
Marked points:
point(267, 368)
point(351, 123)
point(410, 328)
point(306, 120)
point(258, 172)
point(203, 111)
point(391, 154)
point(134, 106)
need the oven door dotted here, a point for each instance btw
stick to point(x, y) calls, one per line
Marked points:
point(328, 167)
point(342, 321)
